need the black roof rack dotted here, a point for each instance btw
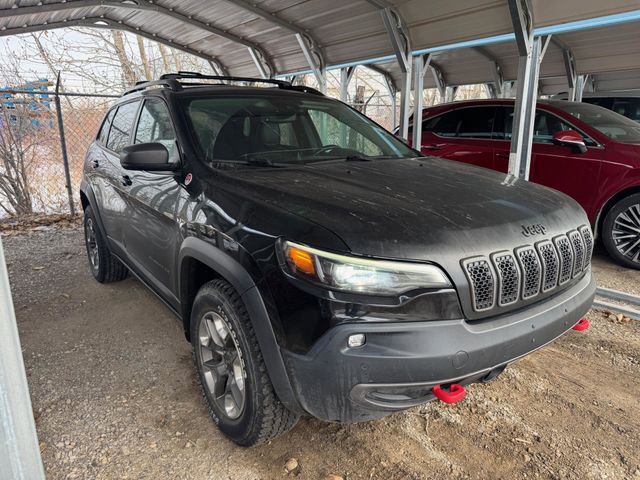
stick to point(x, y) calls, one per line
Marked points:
point(171, 81)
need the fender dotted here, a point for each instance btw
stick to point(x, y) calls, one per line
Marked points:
point(87, 190)
point(233, 272)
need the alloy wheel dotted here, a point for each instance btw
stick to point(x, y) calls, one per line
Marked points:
point(92, 245)
point(222, 365)
point(626, 233)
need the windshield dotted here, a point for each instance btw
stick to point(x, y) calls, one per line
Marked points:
point(283, 129)
point(614, 126)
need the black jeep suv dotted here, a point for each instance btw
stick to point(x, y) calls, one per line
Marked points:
point(319, 265)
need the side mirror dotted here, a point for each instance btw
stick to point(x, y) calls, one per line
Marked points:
point(149, 157)
point(571, 139)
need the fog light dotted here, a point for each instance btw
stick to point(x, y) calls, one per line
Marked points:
point(356, 340)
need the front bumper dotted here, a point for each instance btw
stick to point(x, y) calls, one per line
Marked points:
point(401, 362)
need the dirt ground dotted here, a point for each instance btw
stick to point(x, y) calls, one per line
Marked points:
point(115, 395)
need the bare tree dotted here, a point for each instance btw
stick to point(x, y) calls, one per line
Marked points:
point(144, 58)
point(16, 153)
point(129, 76)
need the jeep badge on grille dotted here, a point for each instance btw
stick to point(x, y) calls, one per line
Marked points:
point(535, 229)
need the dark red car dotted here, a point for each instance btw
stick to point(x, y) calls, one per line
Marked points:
point(585, 151)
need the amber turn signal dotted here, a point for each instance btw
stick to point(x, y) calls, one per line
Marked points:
point(303, 261)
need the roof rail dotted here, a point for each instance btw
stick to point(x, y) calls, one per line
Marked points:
point(143, 85)
point(171, 81)
point(199, 76)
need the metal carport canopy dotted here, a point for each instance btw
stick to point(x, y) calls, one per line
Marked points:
point(609, 54)
point(336, 31)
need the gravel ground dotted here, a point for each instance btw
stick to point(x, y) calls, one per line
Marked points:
point(115, 395)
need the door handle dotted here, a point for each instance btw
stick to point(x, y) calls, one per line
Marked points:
point(126, 180)
point(433, 146)
point(95, 163)
point(502, 154)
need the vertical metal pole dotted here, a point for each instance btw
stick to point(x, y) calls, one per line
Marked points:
point(581, 81)
point(524, 114)
point(63, 147)
point(418, 100)
point(401, 43)
point(19, 448)
point(394, 108)
point(346, 74)
point(405, 104)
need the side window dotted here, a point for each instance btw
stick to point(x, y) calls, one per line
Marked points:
point(121, 126)
point(104, 130)
point(154, 125)
point(477, 122)
point(445, 125)
point(629, 107)
point(546, 125)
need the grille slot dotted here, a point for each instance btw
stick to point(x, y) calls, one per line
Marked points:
point(587, 236)
point(531, 271)
point(550, 265)
point(578, 250)
point(482, 282)
point(566, 258)
point(508, 278)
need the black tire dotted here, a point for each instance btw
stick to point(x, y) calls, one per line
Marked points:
point(262, 415)
point(104, 267)
point(622, 240)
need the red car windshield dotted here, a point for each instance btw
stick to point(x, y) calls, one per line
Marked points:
point(614, 126)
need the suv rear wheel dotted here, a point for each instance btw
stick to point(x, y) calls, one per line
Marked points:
point(621, 231)
point(103, 265)
point(231, 369)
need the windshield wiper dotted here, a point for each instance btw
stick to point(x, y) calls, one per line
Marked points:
point(357, 158)
point(254, 162)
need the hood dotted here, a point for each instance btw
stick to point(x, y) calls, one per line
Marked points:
point(421, 209)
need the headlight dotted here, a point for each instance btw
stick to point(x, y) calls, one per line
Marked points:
point(360, 275)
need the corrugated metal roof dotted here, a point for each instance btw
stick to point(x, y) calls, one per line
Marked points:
point(608, 50)
point(347, 31)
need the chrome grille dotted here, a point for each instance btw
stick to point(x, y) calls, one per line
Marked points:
point(566, 258)
point(483, 286)
point(506, 277)
point(531, 271)
point(578, 250)
point(550, 264)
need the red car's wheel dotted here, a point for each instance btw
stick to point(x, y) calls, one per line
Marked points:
point(621, 231)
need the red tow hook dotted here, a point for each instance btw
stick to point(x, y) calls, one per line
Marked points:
point(582, 325)
point(453, 395)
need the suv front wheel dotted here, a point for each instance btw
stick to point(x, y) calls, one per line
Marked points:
point(621, 231)
point(231, 369)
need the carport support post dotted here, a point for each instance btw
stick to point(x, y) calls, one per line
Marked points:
point(399, 36)
point(346, 74)
point(19, 448)
point(315, 63)
point(63, 147)
point(420, 66)
point(530, 51)
point(581, 81)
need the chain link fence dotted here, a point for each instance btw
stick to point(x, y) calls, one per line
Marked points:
point(43, 140)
